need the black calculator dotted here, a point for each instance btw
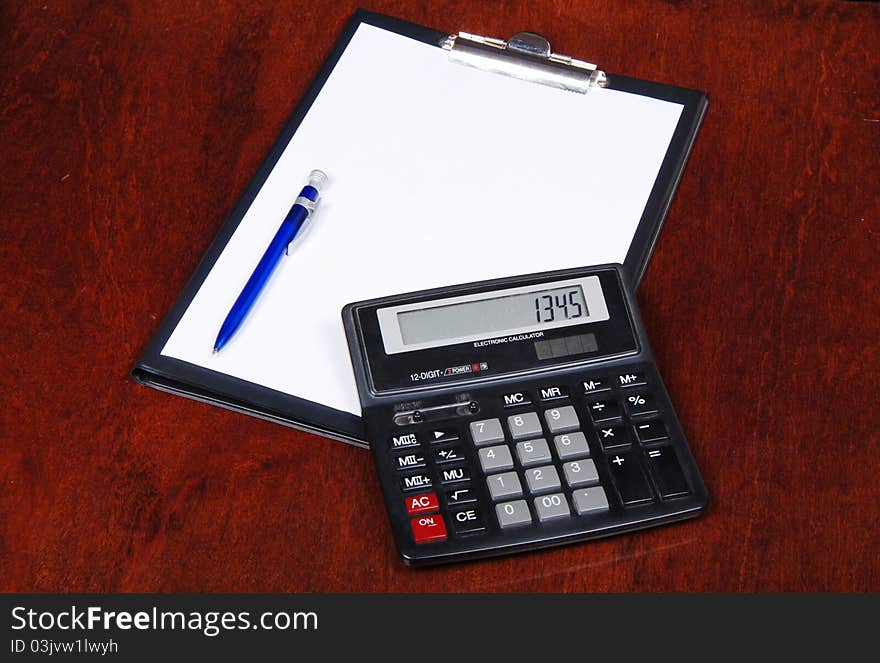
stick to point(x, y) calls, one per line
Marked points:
point(518, 413)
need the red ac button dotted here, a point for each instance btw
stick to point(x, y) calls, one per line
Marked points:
point(422, 503)
point(428, 528)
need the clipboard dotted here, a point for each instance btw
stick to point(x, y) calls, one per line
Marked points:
point(525, 56)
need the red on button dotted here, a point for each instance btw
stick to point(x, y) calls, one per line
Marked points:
point(428, 528)
point(422, 503)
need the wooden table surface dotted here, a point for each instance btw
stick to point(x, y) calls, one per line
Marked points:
point(127, 132)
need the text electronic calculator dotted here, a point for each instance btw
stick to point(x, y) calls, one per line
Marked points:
point(518, 413)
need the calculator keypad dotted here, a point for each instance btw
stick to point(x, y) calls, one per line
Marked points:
point(487, 431)
point(561, 419)
point(596, 386)
point(614, 437)
point(448, 455)
point(550, 507)
point(493, 459)
point(406, 441)
point(552, 393)
point(440, 435)
point(542, 479)
point(635, 379)
point(409, 461)
point(524, 425)
point(590, 500)
point(629, 479)
point(640, 404)
point(652, 431)
point(605, 410)
point(571, 445)
point(503, 486)
point(468, 521)
point(455, 475)
point(580, 473)
point(511, 514)
point(667, 470)
point(551, 454)
point(427, 529)
point(460, 496)
point(415, 482)
point(422, 504)
point(533, 452)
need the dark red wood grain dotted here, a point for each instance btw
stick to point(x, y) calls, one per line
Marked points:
point(127, 132)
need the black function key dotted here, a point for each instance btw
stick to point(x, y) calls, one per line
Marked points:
point(552, 393)
point(596, 386)
point(468, 521)
point(652, 431)
point(613, 437)
point(409, 461)
point(517, 398)
point(629, 479)
point(607, 410)
point(667, 473)
point(640, 404)
point(460, 496)
point(414, 482)
point(634, 379)
point(404, 441)
point(438, 435)
point(455, 475)
point(448, 455)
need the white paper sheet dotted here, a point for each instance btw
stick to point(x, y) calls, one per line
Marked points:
point(439, 174)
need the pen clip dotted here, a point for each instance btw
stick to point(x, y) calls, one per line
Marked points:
point(311, 206)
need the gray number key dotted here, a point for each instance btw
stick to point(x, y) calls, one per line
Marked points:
point(590, 500)
point(542, 479)
point(571, 445)
point(511, 514)
point(533, 452)
point(553, 506)
point(562, 419)
point(580, 473)
point(504, 485)
point(486, 432)
point(523, 425)
point(497, 458)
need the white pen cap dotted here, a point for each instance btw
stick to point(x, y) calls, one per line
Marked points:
point(317, 179)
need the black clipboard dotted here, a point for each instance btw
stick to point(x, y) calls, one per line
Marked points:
point(201, 384)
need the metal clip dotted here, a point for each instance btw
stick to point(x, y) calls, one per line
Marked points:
point(310, 205)
point(526, 55)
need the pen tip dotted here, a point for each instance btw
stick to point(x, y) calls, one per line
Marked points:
point(215, 351)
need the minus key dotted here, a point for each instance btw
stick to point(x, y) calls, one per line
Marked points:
point(651, 431)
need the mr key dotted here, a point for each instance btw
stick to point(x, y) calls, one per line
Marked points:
point(516, 414)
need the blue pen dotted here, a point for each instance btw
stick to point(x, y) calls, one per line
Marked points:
point(303, 206)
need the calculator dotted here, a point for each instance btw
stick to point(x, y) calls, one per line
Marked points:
point(516, 414)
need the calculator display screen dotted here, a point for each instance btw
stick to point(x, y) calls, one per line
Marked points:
point(492, 314)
